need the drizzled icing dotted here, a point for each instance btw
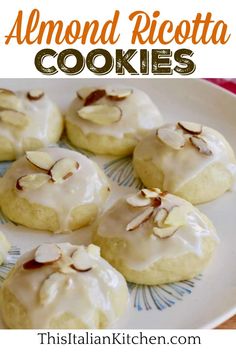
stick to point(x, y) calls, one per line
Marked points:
point(180, 166)
point(139, 115)
point(143, 248)
point(85, 295)
point(85, 186)
point(40, 113)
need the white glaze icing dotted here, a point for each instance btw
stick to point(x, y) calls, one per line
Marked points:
point(143, 248)
point(83, 295)
point(139, 115)
point(39, 112)
point(180, 166)
point(83, 187)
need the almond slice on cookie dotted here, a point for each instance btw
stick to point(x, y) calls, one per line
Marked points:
point(140, 219)
point(118, 95)
point(84, 92)
point(35, 95)
point(138, 200)
point(40, 159)
point(32, 181)
point(101, 114)
point(14, 118)
point(201, 145)
point(94, 96)
point(47, 253)
point(190, 127)
point(63, 169)
point(171, 138)
point(149, 193)
point(164, 232)
point(160, 217)
point(81, 259)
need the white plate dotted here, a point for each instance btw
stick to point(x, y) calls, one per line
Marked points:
point(209, 299)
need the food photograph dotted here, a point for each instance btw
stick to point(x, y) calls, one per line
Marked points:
point(116, 200)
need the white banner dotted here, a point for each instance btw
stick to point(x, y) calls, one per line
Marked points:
point(75, 38)
point(103, 341)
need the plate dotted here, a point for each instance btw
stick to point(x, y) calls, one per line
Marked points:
point(210, 298)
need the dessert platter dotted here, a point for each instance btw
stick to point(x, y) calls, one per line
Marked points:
point(117, 201)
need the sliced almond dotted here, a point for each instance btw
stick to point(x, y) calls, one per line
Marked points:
point(47, 253)
point(63, 169)
point(156, 202)
point(40, 159)
point(15, 118)
point(138, 200)
point(140, 219)
point(32, 264)
point(64, 264)
point(82, 262)
point(100, 114)
point(118, 95)
point(171, 138)
point(157, 190)
point(51, 287)
point(9, 100)
point(190, 127)
point(201, 145)
point(160, 217)
point(84, 92)
point(165, 232)
point(148, 193)
point(32, 181)
point(35, 95)
point(164, 193)
point(177, 216)
point(94, 97)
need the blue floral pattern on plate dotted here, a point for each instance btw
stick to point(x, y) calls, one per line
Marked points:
point(13, 255)
point(160, 297)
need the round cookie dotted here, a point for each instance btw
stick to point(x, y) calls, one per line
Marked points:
point(190, 160)
point(28, 121)
point(155, 238)
point(110, 120)
point(53, 189)
point(62, 286)
point(4, 248)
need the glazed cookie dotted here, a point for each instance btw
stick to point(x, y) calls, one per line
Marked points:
point(62, 286)
point(155, 238)
point(4, 248)
point(190, 160)
point(53, 189)
point(110, 121)
point(28, 121)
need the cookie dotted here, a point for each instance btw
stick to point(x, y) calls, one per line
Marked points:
point(190, 160)
point(28, 121)
point(155, 238)
point(53, 189)
point(62, 286)
point(110, 120)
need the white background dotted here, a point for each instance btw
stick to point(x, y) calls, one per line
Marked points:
point(211, 341)
point(211, 60)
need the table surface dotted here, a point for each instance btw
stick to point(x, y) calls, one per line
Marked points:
point(229, 324)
